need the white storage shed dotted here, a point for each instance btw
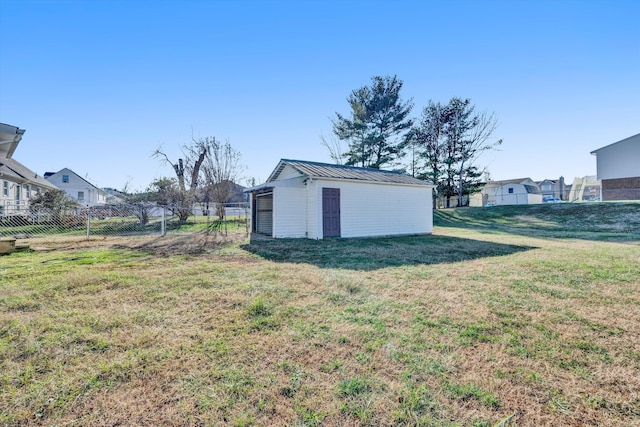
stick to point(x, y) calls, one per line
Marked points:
point(521, 191)
point(318, 200)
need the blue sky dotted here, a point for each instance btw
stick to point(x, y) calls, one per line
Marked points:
point(99, 85)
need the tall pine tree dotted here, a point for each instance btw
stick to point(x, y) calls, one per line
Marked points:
point(378, 125)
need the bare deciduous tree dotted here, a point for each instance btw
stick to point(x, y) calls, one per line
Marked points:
point(209, 164)
point(450, 138)
point(187, 171)
point(335, 148)
point(221, 169)
point(477, 141)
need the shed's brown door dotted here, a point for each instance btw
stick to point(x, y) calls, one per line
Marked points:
point(331, 212)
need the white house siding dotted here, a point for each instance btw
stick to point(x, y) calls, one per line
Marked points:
point(8, 198)
point(372, 209)
point(535, 199)
point(15, 196)
point(91, 195)
point(475, 200)
point(289, 212)
point(619, 160)
point(314, 210)
point(518, 196)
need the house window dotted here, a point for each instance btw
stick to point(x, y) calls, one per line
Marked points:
point(546, 187)
point(18, 190)
point(510, 190)
point(80, 196)
point(5, 189)
point(65, 178)
point(27, 191)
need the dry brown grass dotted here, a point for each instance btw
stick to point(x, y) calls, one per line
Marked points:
point(197, 330)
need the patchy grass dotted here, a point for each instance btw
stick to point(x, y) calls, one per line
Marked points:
point(594, 221)
point(505, 315)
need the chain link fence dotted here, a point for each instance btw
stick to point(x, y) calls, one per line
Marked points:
point(123, 220)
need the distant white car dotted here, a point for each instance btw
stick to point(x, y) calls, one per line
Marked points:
point(549, 199)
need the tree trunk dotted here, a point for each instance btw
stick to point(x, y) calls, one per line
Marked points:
point(460, 184)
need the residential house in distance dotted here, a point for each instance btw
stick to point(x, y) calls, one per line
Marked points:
point(585, 189)
point(618, 168)
point(521, 191)
point(553, 188)
point(320, 200)
point(77, 188)
point(17, 182)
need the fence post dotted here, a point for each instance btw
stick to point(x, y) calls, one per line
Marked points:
point(163, 223)
point(88, 224)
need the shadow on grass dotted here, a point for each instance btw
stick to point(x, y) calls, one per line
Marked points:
point(377, 253)
point(616, 222)
point(186, 244)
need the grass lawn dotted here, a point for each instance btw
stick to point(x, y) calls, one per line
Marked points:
point(531, 313)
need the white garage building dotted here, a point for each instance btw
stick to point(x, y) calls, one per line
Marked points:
point(318, 200)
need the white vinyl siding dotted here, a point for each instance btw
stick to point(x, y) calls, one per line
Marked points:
point(75, 186)
point(314, 210)
point(512, 193)
point(372, 209)
point(619, 160)
point(368, 209)
point(288, 172)
point(515, 194)
point(289, 207)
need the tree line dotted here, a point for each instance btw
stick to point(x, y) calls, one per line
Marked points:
point(442, 146)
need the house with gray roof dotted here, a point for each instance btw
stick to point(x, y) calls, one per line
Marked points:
point(18, 183)
point(319, 200)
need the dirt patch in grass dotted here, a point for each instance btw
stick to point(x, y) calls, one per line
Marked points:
point(171, 244)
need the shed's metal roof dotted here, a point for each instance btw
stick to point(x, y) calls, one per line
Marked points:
point(326, 170)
